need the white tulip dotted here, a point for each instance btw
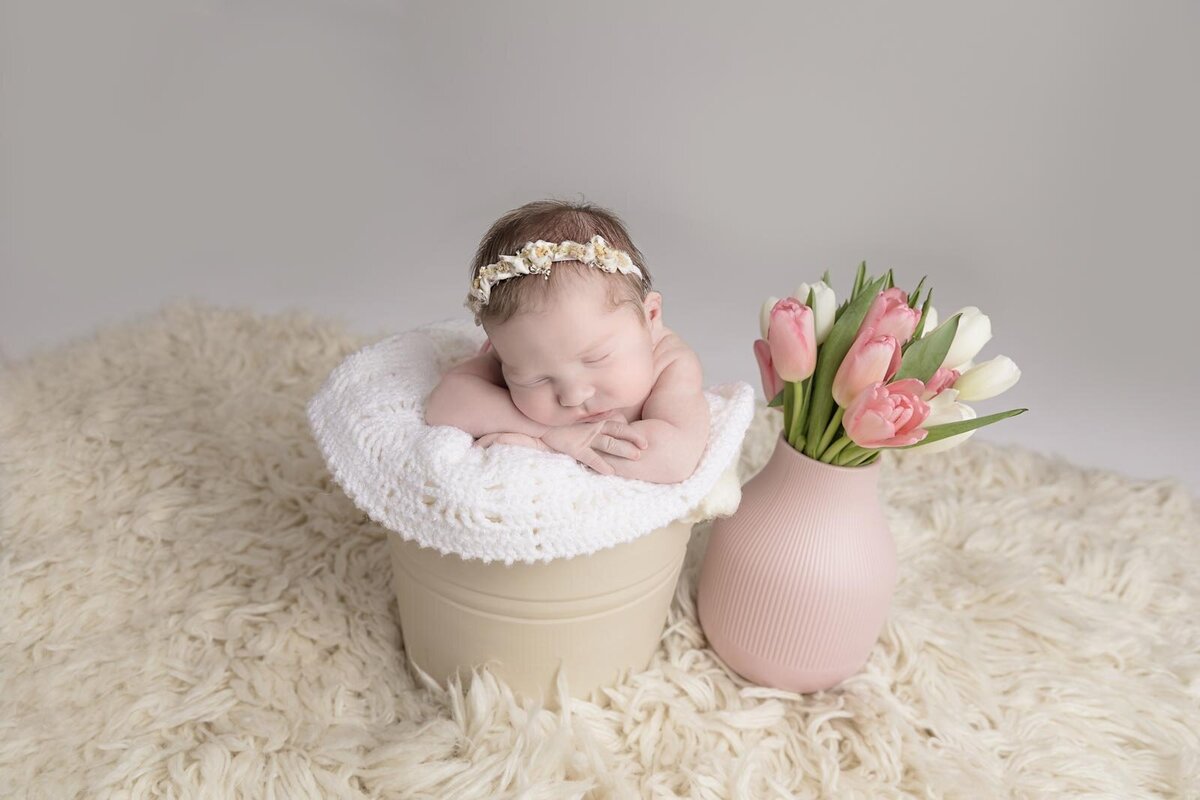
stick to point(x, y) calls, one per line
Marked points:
point(987, 379)
point(764, 318)
point(824, 307)
point(944, 408)
point(931, 320)
point(974, 331)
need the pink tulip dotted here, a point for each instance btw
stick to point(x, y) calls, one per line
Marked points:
point(942, 379)
point(887, 415)
point(772, 383)
point(871, 359)
point(793, 339)
point(889, 314)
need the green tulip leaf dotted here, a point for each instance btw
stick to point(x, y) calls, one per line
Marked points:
point(912, 298)
point(777, 400)
point(926, 354)
point(858, 280)
point(830, 355)
point(938, 432)
point(921, 325)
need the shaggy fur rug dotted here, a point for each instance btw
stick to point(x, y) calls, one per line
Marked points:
point(191, 608)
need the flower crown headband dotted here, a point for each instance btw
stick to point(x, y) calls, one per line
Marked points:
point(535, 258)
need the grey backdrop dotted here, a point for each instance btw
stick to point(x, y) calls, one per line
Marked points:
point(1035, 159)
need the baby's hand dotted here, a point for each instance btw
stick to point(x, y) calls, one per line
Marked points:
point(585, 441)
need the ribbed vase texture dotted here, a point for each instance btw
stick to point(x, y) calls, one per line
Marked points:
point(795, 586)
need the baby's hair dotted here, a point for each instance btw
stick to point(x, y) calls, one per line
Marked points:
point(556, 221)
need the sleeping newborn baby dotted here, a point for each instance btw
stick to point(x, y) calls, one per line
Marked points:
point(578, 360)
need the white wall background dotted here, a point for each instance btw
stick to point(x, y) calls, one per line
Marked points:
point(1038, 160)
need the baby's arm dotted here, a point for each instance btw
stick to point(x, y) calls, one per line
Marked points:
point(675, 421)
point(472, 397)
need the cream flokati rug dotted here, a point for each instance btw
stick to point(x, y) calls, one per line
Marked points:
point(191, 608)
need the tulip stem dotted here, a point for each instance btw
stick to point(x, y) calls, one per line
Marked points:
point(852, 456)
point(851, 452)
point(836, 448)
point(867, 457)
point(794, 436)
point(829, 432)
point(806, 394)
point(789, 409)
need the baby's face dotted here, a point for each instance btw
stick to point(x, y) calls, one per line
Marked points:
point(578, 357)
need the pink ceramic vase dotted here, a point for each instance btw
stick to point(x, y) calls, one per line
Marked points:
point(795, 586)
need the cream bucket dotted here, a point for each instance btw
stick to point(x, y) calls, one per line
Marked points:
point(594, 615)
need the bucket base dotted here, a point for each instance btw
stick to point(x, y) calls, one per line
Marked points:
point(595, 615)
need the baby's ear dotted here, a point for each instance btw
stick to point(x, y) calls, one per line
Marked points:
point(652, 308)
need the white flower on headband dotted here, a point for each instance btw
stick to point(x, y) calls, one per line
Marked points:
point(535, 258)
point(540, 254)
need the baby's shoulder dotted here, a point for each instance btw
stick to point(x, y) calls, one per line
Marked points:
point(484, 364)
point(670, 348)
point(675, 360)
point(678, 392)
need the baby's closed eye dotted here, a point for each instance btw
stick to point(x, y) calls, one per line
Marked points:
point(538, 381)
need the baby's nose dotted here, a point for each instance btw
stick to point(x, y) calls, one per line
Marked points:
point(575, 395)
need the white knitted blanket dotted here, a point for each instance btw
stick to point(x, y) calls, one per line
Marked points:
point(510, 503)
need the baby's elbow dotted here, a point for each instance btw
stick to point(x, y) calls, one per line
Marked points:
point(432, 417)
point(684, 456)
point(687, 466)
point(437, 408)
point(677, 470)
point(696, 442)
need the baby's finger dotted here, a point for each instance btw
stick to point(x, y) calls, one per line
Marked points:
point(626, 431)
point(596, 462)
point(617, 447)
